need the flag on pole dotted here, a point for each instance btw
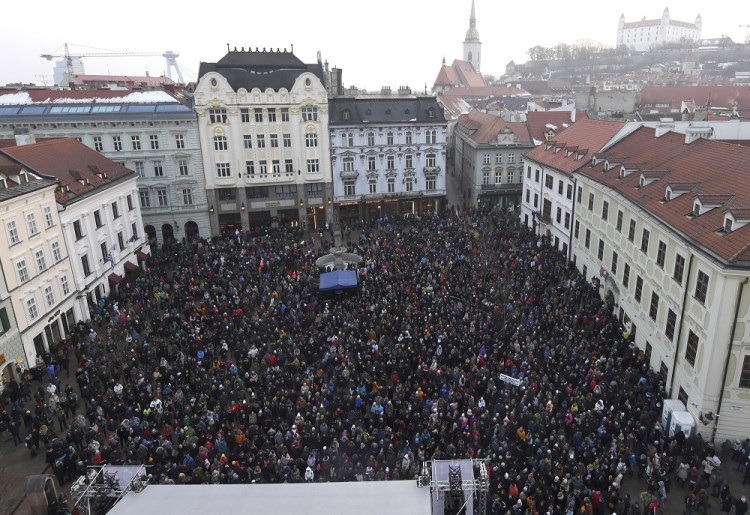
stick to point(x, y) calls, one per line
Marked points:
point(111, 260)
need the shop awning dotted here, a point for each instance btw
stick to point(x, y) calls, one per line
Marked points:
point(129, 267)
point(114, 278)
point(142, 256)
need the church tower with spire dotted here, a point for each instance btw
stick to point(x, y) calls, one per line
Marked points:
point(472, 45)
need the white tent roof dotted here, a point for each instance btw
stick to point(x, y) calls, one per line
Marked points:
point(362, 498)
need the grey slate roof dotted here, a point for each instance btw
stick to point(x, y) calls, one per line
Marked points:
point(261, 69)
point(26, 187)
point(384, 110)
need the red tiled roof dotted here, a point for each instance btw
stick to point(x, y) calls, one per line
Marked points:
point(589, 135)
point(539, 121)
point(487, 126)
point(447, 76)
point(470, 77)
point(69, 162)
point(719, 170)
point(717, 96)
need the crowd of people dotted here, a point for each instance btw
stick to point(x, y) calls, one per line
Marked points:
point(467, 338)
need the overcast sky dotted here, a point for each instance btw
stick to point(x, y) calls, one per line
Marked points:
point(387, 42)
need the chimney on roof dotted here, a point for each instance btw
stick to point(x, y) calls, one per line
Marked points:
point(404, 91)
point(385, 91)
point(24, 137)
point(573, 116)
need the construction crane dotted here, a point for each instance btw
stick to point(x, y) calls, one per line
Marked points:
point(170, 56)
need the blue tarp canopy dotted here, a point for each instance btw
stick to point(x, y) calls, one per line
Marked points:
point(338, 280)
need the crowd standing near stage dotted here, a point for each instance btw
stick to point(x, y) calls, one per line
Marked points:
point(468, 338)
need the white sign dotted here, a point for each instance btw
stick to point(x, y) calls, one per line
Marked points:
point(510, 380)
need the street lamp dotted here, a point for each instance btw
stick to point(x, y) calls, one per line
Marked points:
point(211, 209)
point(243, 206)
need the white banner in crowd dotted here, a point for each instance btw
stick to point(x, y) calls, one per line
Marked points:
point(510, 380)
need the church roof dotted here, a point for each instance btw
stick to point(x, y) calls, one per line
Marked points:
point(460, 73)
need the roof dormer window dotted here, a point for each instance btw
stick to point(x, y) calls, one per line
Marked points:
point(727, 224)
point(346, 114)
point(696, 209)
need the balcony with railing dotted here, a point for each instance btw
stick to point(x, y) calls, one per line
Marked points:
point(508, 187)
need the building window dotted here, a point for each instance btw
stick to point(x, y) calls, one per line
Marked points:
point(498, 159)
point(117, 143)
point(576, 229)
point(389, 138)
point(600, 253)
point(187, 196)
point(498, 177)
point(487, 159)
point(49, 221)
point(263, 168)
point(220, 143)
point(144, 198)
point(22, 270)
point(691, 350)
point(78, 230)
point(287, 140)
point(701, 287)
point(223, 170)
point(536, 199)
point(182, 166)
point(272, 115)
point(580, 194)
point(12, 230)
point(745, 374)
point(140, 169)
point(245, 115)
point(98, 219)
point(682, 396)
point(217, 115)
point(644, 241)
point(390, 162)
point(179, 141)
point(511, 157)
point(115, 210)
point(120, 241)
point(276, 167)
point(288, 166)
point(370, 163)
point(614, 263)
point(85, 265)
point(626, 275)
point(31, 224)
point(98, 143)
point(313, 166)
point(309, 113)
point(605, 210)
point(661, 254)
point(284, 114)
point(348, 163)
point(158, 170)
point(56, 252)
point(64, 286)
point(654, 309)
point(349, 188)
point(274, 140)
point(247, 139)
point(134, 228)
point(136, 142)
point(373, 186)
point(618, 226)
point(370, 139)
point(430, 161)
point(391, 185)
point(486, 177)
point(250, 168)
point(569, 192)
point(638, 288)
point(511, 175)
point(409, 184)
point(31, 308)
point(261, 141)
point(311, 140)
point(408, 138)
point(154, 139)
point(591, 201)
point(679, 268)
point(409, 161)
point(431, 137)
point(314, 189)
point(548, 181)
point(430, 184)
point(631, 231)
point(587, 241)
point(103, 249)
point(161, 195)
point(671, 322)
point(258, 112)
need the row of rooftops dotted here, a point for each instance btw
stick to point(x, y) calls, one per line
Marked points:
point(701, 189)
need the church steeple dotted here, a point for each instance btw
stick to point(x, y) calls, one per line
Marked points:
point(472, 45)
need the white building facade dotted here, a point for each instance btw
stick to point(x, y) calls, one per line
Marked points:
point(388, 156)
point(668, 248)
point(154, 133)
point(263, 120)
point(36, 269)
